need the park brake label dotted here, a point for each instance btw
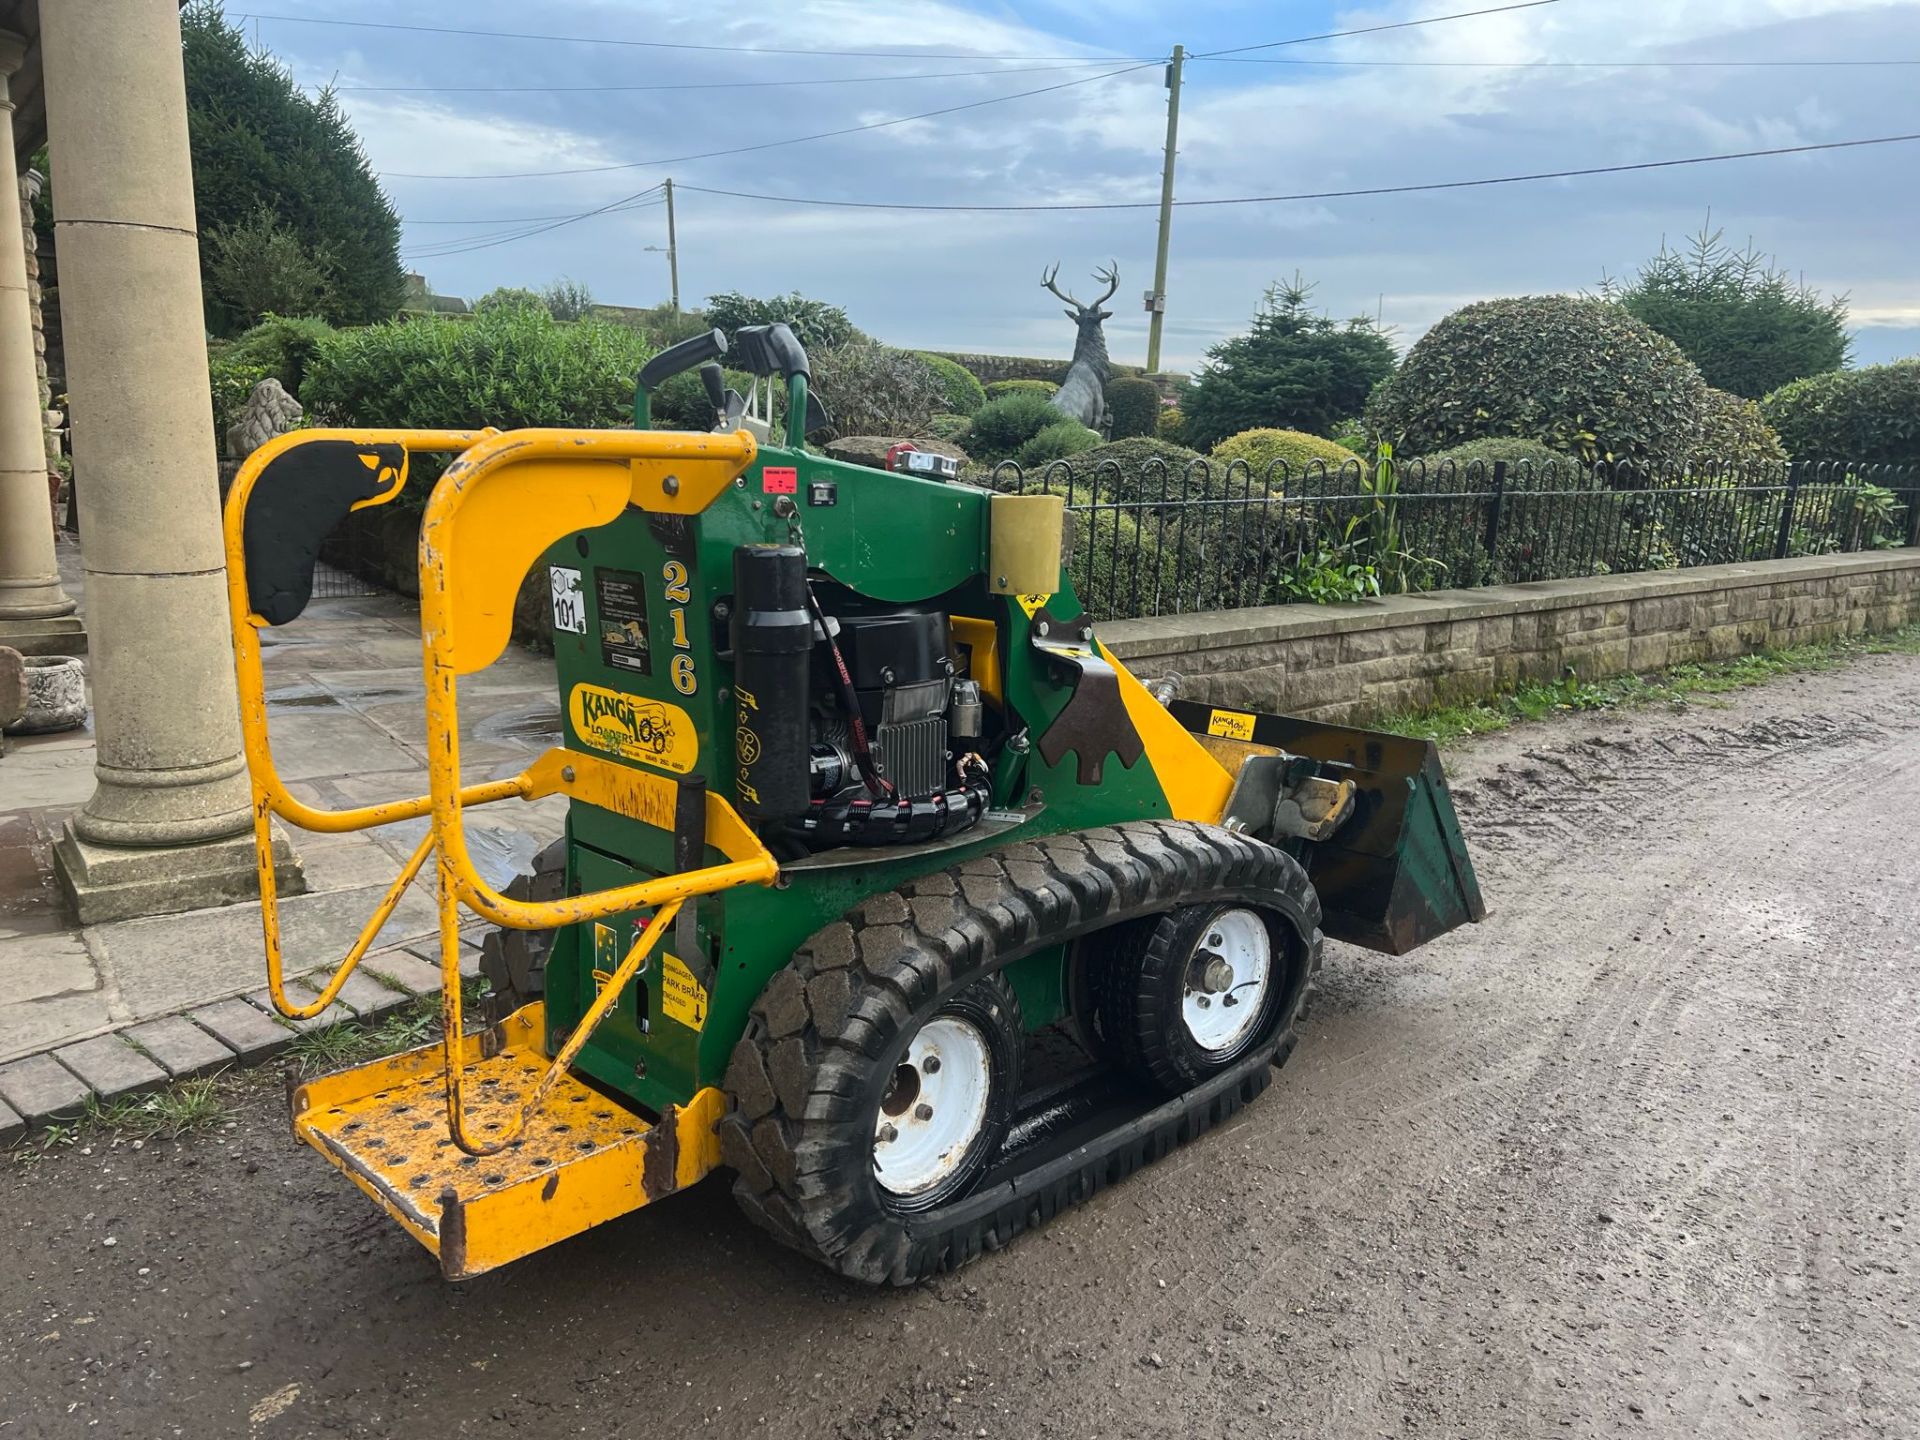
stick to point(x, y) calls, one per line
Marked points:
point(682, 997)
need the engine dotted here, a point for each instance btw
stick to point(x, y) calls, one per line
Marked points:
point(891, 734)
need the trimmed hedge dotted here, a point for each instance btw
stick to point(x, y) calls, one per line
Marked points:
point(1000, 389)
point(1056, 442)
point(1871, 414)
point(1171, 426)
point(1003, 425)
point(1300, 452)
point(1732, 432)
point(1580, 376)
point(964, 394)
point(1133, 407)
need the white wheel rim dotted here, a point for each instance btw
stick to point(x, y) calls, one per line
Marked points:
point(1226, 980)
point(934, 1107)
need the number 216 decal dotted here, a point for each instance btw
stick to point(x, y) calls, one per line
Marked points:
point(678, 594)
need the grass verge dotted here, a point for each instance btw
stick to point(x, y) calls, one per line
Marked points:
point(1678, 686)
point(354, 1042)
point(165, 1114)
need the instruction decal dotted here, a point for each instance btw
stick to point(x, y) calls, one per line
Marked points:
point(569, 600)
point(622, 599)
point(780, 480)
point(654, 732)
point(1230, 724)
point(1032, 603)
point(682, 997)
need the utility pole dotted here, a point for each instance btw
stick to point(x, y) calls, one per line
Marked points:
point(673, 249)
point(1157, 300)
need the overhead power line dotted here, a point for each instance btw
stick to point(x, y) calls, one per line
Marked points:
point(1310, 194)
point(625, 202)
point(908, 206)
point(858, 54)
point(1549, 64)
point(701, 84)
point(1373, 29)
point(785, 141)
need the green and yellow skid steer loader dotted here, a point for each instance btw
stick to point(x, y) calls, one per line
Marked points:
point(858, 806)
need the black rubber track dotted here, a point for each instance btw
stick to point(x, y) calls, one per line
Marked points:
point(828, 1028)
point(514, 962)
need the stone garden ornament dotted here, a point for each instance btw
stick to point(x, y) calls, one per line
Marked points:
point(1083, 394)
point(269, 411)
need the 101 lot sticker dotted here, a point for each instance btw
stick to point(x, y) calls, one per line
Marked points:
point(569, 600)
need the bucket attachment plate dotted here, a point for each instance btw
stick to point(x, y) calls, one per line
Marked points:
point(1395, 874)
point(584, 1159)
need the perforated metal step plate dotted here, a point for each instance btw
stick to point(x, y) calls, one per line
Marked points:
point(584, 1158)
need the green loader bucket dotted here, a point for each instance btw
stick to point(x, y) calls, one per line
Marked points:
point(1396, 874)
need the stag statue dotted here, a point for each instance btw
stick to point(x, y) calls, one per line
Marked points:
point(1083, 394)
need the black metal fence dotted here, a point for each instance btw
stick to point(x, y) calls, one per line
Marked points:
point(1163, 540)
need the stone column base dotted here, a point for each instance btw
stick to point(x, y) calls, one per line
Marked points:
point(120, 882)
point(60, 635)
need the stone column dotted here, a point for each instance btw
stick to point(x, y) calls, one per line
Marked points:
point(36, 615)
point(171, 777)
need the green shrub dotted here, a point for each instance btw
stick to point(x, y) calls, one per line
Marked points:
point(508, 366)
point(964, 395)
point(873, 389)
point(1294, 369)
point(281, 346)
point(1171, 426)
point(1732, 433)
point(950, 427)
point(1000, 389)
point(1003, 425)
point(1301, 454)
point(1133, 407)
point(817, 325)
point(1580, 376)
point(1143, 469)
point(1056, 442)
point(1352, 435)
point(1868, 415)
point(681, 402)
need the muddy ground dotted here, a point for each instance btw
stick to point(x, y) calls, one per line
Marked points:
point(1636, 1156)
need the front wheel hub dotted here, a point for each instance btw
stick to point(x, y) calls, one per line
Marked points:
point(1227, 983)
point(934, 1107)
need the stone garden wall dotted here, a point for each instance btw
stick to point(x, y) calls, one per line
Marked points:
point(1364, 660)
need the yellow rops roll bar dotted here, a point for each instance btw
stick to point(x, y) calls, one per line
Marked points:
point(502, 502)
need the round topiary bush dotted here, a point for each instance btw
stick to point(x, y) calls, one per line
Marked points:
point(1056, 442)
point(964, 395)
point(1146, 470)
point(1171, 426)
point(1002, 426)
point(1581, 376)
point(1133, 406)
point(1000, 389)
point(1869, 415)
point(1733, 435)
point(1276, 455)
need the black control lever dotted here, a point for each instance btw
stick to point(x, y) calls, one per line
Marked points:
point(684, 356)
point(715, 381)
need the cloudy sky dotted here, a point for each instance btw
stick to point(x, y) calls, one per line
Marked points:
point(1473, 98)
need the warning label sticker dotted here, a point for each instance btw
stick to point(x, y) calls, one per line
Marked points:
point(682, 997)
point(1230, 724)
point(623, 620)
point(779, 480)
point(1032, 603)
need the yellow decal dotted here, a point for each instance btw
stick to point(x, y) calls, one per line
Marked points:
point(682, 997)
point(1230, 724)
point(634, 728)
point(1032, 603)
